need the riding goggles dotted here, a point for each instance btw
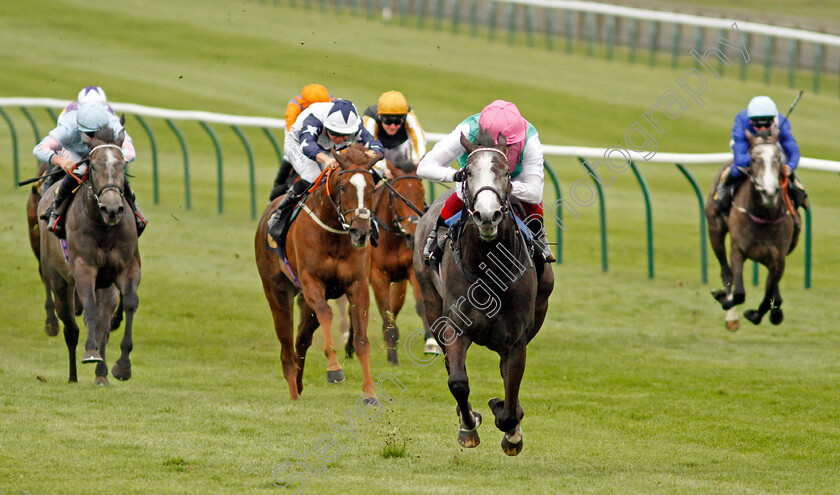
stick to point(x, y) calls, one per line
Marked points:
point(392, 119)
point(762, 122)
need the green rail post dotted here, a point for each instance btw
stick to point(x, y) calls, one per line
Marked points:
point(589, 27)
point(35, 130)
point(251, 175)
point(421, 14)
point(742, 73)
point(558, 230)
point(704, 273)
point(511, 22)
point(648, 216)
point(473, 18)
point(438, 14)
point(275, 145)
point(529, 24)
point(403, 12)
point(808, 245)
point(13, 133)
point(51, 113)
point(354, 7)
point(370, 8)
point(184, 151)
point(818, 62)
point(609, 27)
point(675, 45)
point(698, 45)
point(603, 215)
point(456, 16)
point(491, 19)
point(791, 63)
point(654, 42)
point(155, 178)
point(337, 4)
point(219, 175)
point(549, 28)
point(755, 273)
point(768, 57)
point(631, 40)
point(569, 31)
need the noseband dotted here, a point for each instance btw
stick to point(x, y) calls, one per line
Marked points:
point(96, 194)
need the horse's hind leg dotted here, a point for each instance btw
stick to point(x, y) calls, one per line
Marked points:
point(381, 283)
point(64, 310)
point(281, 302)
point(51, 323)
point(106, 300)
point(717, 238)
point(509, 412)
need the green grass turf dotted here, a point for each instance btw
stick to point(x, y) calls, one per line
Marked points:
point(633, 385)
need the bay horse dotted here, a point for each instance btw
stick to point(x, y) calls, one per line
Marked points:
point(396, 210)
point(51, 326)
point(488, 290)
point(328, 256)
point(101, 264)
point(762, 227)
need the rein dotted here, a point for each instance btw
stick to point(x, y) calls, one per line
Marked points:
point(362, 213)
point(397, 219)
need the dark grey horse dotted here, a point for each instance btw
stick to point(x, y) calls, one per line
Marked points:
point(761, 226)
point(103, 260)
point(488, 291)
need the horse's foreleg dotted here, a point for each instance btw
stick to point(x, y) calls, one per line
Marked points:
point(737, 295)
point(85, 277)
point(509, 412)
point(130, 302)
point(381, 283)
point(106, 300)
point(358, 294)
point(459, 385)
point(313, 292)
point(772, 297)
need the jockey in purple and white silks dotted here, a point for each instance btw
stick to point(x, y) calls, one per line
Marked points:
point(760, 116)
point(86, 94)
point(318, 130)
point(63, 147)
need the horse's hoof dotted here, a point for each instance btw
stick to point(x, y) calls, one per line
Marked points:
point(733, 326)
point(101, 381)
point(468, 439)
point(776, 316)
point(739, 298)
point(392, 356)
point(719, 294)
point(51, 328)
point(370, 400)
point(121, 373)
point(512, 443)
point(91, 357)
point(336, 376)
point(753, 315)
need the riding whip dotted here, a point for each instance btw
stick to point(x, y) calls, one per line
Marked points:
point(36, 179)
point(792, 106)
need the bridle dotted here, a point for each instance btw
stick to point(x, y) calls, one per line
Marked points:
point(361, 213)
point(97, 193)
point(469, 200)
point(760, 189)
point(397, 225)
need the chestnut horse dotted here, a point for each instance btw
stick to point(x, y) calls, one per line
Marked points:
point(51, 323)
point(761, 226)
point(328, 256)
point(488, 290)
point(396, 210)
point(102, 262)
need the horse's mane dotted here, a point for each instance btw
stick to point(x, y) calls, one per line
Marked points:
point(105, 135)
point(484, 139)
point(356, 152)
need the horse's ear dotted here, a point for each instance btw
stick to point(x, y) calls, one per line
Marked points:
point(122, 119)
point(372, 157)
point(341, 159)
point(774, 133)
point(502, 140)
point(468, 145)
point(120, 138)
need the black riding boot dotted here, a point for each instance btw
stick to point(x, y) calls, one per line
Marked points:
point(139, 219)
point(433, 250)
point(295, 193)
point(798, 195)
point(541, 240)
point(281, 181)
point(726, 191)
point(54, 215)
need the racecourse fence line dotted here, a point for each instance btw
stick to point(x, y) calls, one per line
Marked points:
point(609, 26)
point(268, 124)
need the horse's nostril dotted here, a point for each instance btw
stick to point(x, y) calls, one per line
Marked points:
point(120, 210)
point(497, 216)
point(103, 210)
